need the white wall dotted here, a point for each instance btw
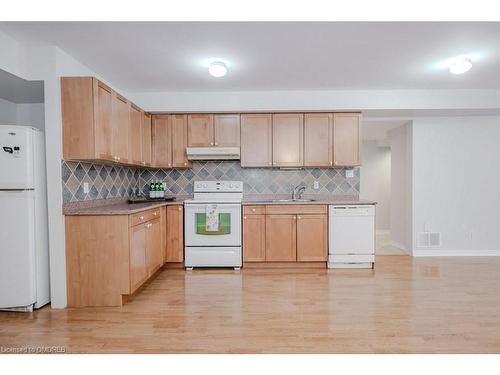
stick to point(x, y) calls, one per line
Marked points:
point(31, 114)
point(48, 63)
point(400, 140)
point(375, 175)
point(8, 112)
point(456, 184)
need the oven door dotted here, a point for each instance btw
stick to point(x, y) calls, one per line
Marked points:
point(229, 233)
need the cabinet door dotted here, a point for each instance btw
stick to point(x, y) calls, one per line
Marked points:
point(146, 139)
point(175, 232)
point(227, 130)
point(311, 238)
point(288, 138)
point(254, 238)
point(318, 139)
point(138, 266)
point(179, 142)
point(154, 254)
point(121, 118)
point(200, 130)
point(281, 241)
point(135, 136)
point(162, 141)
point(346, 139)
point(103, 122)
point(256, 140)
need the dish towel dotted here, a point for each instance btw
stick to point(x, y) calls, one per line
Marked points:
point(212, 222)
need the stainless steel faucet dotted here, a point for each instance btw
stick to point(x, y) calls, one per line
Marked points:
point(297, 192)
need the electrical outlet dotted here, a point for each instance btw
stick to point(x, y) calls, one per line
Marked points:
point(316, 185)
point(85, 187)
point(349, 173)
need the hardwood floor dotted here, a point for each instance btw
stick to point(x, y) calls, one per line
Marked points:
point(405, 305)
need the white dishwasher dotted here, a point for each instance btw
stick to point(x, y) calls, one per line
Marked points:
point(351, 236)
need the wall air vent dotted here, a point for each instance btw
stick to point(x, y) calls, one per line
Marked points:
point(429, 239)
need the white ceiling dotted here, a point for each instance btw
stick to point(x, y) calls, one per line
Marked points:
point(277, 56)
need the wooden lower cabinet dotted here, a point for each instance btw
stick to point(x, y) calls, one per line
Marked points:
point(138, 265)
point(254, 238)
point(281, 245)
point(285, 235)
point(312, 238)
point(174, 251)
point(108, 256)
point(154, 251)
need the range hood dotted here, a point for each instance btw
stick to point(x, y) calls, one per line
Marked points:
point(213, 153)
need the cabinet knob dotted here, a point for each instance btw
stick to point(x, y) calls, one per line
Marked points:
point(244, 217)
point(117, 158)
point(155, 213)
point(298, 217)
point(270, 163)
point(211, 143)
point(253, 209)
point(216, 143)
point(294, 217)
point(169, 164)
point(141, 217)
point(185, 163)
point(331, 162)
point(180, 208)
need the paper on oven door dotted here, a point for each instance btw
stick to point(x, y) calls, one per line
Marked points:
point(212, 221)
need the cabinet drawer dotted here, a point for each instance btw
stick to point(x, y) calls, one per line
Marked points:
point(287, 209)
point(254, 210)
point(142, 217)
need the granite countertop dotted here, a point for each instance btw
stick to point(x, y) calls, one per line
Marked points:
point(120, 206)
point(318, 199)
point(115, 206)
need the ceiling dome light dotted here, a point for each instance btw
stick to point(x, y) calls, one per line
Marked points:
point(217, 69)
point(460, 66)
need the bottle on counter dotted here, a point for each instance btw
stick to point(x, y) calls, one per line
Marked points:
point(151, 190)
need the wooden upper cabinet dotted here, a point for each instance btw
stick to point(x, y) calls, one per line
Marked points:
point(312, 238)
point(180, 141)
point(346, 139)
point(87, 129)
point(103, 121)
point(281, 241)
point(100, 124)
point(288, 140)
point(121, 119)
point(175, 234)
point(135, 136)
point(254, 238)
point(227, 130)
point(256, 140)
point(162, 141)
point(318, 139)
point(200, 130)
point(146, 139)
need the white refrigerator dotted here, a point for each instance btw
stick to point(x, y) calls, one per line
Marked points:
point(24, 248)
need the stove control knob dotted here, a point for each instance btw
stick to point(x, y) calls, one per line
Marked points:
point(231, 186)
point(205, 185)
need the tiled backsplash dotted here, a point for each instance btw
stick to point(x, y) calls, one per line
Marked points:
point(114, 181)
point(104, 181)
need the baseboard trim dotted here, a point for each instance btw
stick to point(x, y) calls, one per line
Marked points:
point(455, 253)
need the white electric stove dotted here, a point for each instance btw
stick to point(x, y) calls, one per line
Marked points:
point(219, 246)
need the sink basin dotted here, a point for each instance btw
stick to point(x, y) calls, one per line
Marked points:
point(294, 200)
